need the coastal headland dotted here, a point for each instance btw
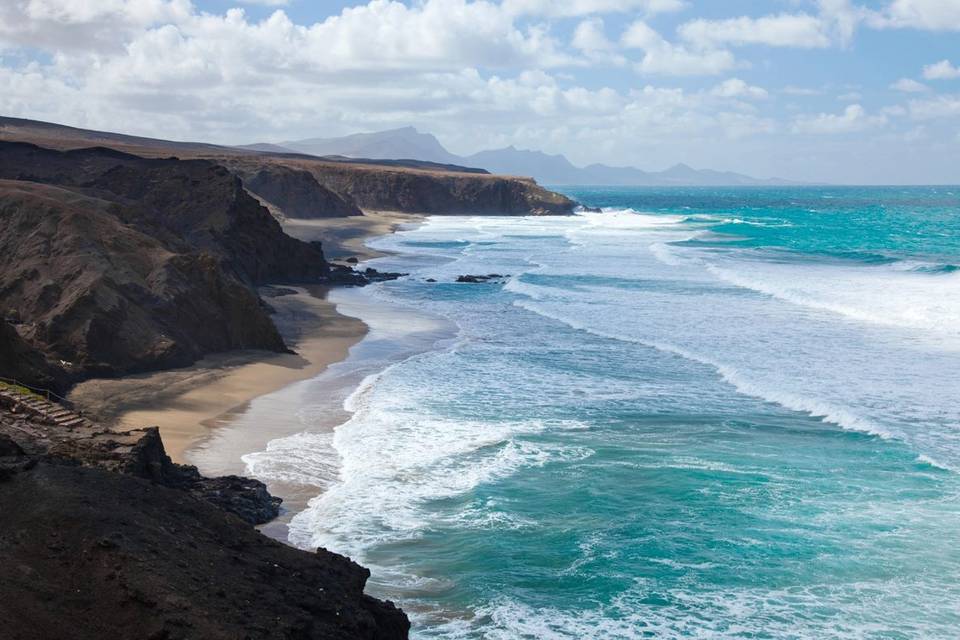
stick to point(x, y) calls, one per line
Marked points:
point(167, 285)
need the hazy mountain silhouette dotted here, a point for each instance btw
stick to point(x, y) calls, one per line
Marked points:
point(409, 144)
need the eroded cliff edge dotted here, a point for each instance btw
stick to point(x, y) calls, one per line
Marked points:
point(112, 264)
point(102, 536)
point(302, 186)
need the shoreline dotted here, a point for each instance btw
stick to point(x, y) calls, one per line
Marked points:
point(191, 404)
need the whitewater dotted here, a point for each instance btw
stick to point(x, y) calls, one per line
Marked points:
point(699, 413)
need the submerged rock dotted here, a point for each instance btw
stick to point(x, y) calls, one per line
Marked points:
point(475, 279)
point(345, 275)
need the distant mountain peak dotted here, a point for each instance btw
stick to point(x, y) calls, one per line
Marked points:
point(402, 143)
point(408, 143)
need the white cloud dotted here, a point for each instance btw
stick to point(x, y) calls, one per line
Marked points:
point(935, 108)
point(573, 8)
point(841, 18)
point(383, 34)
point(791, 90)
point(165, 68)
point(266, 3)
point(784, 30)
point(78, 25)
point(909, 85)
point(835, 22)
point(931, 15)
point(737, 88)
point(662, 57)
point(854, 118)
point(852, 96)
point(590, 38)
point(942, 70)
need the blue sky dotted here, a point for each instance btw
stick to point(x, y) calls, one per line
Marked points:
point(823, 90)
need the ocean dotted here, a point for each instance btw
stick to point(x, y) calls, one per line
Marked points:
point(701, 413)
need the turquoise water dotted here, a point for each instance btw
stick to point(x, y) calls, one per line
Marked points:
point(699, 414)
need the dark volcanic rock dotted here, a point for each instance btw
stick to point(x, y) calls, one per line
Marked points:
point(118, 264)
point(21, 362)
point(298, 194)
point(344, 275)
point(91, 554)
point(441, 193)
point(102, 536)
point(276, 292)
point(400, 185)
point(382, 276)
point(187, 205)
point(481, 279)
point(138, 452)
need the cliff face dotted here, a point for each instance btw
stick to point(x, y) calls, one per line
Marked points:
point(298, 194)
point(440, 193)
point(115, 264)
point(302, 187)
point(401, 185)
point(21, 362)
point(103, 537)
point(192, 205)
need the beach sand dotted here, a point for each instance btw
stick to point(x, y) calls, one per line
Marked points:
point(188, 404)
point(344, 237)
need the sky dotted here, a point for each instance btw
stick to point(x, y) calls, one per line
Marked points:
point(839, 91)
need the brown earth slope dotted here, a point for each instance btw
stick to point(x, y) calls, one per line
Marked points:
point(103, 537)
point(112, 263)
point(296, 193)
point(396, 185)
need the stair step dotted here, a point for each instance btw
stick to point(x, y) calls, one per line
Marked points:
point(75, 422)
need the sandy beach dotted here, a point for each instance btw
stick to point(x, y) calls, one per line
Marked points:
point(188, 404)
point(344, 237)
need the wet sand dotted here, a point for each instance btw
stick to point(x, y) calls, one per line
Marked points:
point(344, 237)
point(189, 404)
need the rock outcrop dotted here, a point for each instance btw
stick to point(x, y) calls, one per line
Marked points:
point(116, 264)
point(103, 537)
point(21, 362)
point(297, 194)
point(398, 185)
point(440, 193)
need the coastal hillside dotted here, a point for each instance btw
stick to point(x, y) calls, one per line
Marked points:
point(395, 187)
point(112, 264)
point(297, 185)
point(175, 555)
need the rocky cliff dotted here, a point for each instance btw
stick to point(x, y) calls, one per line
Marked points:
point(20, 361)
point(438, 192)
point(297, 194)
point(111, 263)
point(297, 186)
point(103, 537)
point(344, 183)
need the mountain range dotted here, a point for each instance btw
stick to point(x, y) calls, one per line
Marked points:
point(408, 143)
